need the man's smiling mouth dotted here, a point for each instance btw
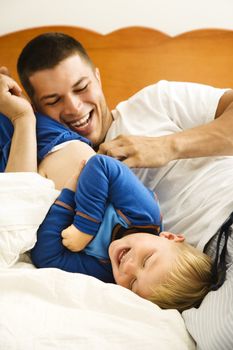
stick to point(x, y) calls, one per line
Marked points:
point(81, 122)
point(82, 125)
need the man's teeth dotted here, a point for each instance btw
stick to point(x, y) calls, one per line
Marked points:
point(81, 121)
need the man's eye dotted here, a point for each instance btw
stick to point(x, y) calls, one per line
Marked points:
point(52, 103)
point(80, 89)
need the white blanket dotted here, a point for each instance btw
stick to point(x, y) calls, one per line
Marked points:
point(49, 309)
point(25, 199)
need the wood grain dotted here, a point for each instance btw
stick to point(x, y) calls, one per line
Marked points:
point(133, 57)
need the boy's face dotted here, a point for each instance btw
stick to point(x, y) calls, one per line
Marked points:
point(71, 93)
point(141, 260)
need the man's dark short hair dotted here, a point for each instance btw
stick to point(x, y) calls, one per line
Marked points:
point(44, 52)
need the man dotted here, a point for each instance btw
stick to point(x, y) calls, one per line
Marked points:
point(183, 132)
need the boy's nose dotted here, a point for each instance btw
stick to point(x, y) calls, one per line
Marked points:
point(129, 267)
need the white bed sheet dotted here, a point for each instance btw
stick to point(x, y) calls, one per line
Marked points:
point(49, 309)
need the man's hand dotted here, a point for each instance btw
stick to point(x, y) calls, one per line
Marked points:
point(5, 71)
point(75, 240)
point(139, 151)
point(12, 103)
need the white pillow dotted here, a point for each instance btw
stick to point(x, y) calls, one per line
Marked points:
point(25, 199)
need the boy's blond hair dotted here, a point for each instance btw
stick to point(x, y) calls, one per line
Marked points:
point(187, 282)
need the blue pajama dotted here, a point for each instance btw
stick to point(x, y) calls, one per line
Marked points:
point(49, 134)
point(108, 194)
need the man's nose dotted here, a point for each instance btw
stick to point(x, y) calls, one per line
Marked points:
point(72, 105)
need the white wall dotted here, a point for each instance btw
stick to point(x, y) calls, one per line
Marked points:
point(169, 16)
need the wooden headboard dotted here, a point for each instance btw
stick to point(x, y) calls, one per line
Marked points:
point(133, 57)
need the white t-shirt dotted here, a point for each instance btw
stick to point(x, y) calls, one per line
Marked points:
point(196, 195)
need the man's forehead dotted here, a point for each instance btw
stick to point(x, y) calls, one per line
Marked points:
point(46, 84)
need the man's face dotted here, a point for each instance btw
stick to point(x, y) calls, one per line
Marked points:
point(71, 93)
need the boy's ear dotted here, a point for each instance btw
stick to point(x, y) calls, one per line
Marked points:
point(172, 236)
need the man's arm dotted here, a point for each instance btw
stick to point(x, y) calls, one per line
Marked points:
point(22, 155)
point(212, 139)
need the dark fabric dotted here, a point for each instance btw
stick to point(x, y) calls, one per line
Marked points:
point(6, 132)
point(219, 265)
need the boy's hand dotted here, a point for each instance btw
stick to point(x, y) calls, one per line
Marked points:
point(75, 240)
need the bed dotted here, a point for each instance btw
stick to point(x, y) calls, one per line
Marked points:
point(52, 309)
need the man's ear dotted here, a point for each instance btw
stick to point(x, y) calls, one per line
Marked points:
point(172, 236)
point(97, 74)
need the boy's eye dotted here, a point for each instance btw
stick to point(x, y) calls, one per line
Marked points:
point(132, 284)
point(145, 261)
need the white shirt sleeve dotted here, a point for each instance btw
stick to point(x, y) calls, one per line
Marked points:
point(189, 104)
